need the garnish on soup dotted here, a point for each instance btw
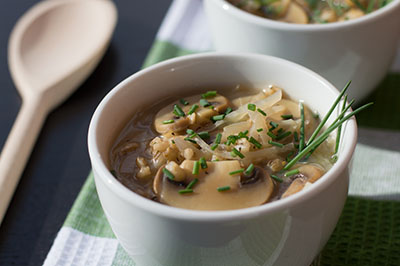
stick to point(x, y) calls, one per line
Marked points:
point(214, 152)
point(309, 11)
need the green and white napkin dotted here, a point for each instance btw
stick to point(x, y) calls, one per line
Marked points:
point(368, 232)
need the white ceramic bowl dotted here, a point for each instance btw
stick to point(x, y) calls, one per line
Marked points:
point(360, 50)
point(290, 231)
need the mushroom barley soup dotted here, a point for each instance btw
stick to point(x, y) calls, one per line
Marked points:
point(310, 11)
point(212, 151)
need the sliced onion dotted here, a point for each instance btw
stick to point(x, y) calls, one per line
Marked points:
point(240, 113)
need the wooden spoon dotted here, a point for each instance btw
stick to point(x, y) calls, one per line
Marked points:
point(52, 49)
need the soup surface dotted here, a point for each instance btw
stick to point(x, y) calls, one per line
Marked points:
point(310, 11)
point(220, 150)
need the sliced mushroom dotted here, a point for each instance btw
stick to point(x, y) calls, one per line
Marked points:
point(296, 186)
point(201, 116)
point(245, 191)
point(352, 14)
point(295, 14)
point(278, 9)
point(328, 15)
point(309, 173)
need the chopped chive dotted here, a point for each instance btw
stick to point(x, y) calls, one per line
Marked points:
point(173, 141)
point(259, 129)
point(178, 111)
point(273, 125)
point(302, 140)
point(168, 174)
point(277, 144)
point(209, 94)
point(192, 183)
point(190, 131)
point(238, 153)
point(261, 112)
point(218, 117)
point(184, 102)
point(185, 191)
point(272, 135)
point(203, 163)
point(204, 103)
point(228, 111)
point(255, 142)
point(280, 180)
point(283, 135)
point(243, 134)
point(318, 129)
point(296, 136)
point(292, 172)
point(236, 172)
point(225, 188)
point(196, 167)
point(191, 140)
point(204, 135)
point(218, 138)
point(287, 116)
point(324, 135)
point(168, 121)
point(251, 107)
point(280, 130)
point(359, 5)
point(249, 170)
point(217, 141)
point(193, 109)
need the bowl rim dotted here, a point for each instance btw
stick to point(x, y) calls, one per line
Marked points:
point(283, 26)
point(158, 209)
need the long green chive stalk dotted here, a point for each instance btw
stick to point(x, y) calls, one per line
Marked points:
point(318, 129)
point(339, 130)
point(323, 136)
point(302, 136)
point(337, 119)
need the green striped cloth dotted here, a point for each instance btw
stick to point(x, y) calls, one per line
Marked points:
point(368, 232)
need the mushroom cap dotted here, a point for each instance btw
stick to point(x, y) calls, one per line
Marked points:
point(295, 14)
point(206, 196)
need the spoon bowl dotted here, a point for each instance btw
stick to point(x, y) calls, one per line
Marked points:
point(53, 48)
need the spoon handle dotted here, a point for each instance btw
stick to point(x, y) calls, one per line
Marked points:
point(18, 147)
